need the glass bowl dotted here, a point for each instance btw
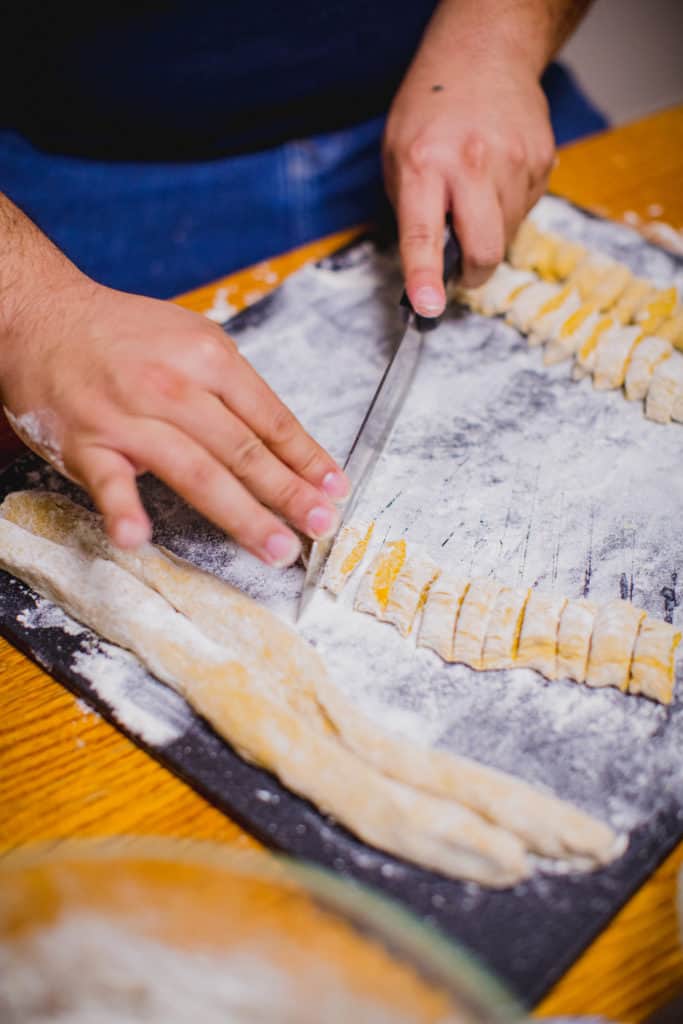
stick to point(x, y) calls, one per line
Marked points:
point(126, 930)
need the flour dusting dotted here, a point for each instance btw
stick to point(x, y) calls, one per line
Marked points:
point(148, 708)
point(40, 431)
point(46, 615)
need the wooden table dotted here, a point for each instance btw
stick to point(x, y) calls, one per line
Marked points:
point(66, 772)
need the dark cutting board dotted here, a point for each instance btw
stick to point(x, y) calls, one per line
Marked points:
point(529, 935)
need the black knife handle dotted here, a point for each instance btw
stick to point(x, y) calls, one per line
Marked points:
point(452, 267)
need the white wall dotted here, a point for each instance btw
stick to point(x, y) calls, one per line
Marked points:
point(628, 55)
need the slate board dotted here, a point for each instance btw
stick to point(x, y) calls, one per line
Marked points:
point(529, 935)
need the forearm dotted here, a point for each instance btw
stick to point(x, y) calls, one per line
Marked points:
point(533, 30)
point(30, 266)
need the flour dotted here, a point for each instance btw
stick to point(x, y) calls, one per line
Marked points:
point(141, 704)
point(40, 431)
point(87, 970)
point(221, 310)
point(46, 615)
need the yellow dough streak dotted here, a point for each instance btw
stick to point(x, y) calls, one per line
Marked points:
point(652, 668)
point(472, 624)
point(612, 644)
point(539, 635)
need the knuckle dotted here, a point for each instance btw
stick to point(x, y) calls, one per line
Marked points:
point(163, 382)
point(485, 256)
point(474, 152)
point(312, 463)
point(516, 154)
point(289, 494)
point(199, 474)
point(423, 154)
point(546, 157)
point(284, 426)
point(246, 454)
point(419, 235)
point(209, 351)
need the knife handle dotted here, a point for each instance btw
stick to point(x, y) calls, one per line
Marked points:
point(452, 267)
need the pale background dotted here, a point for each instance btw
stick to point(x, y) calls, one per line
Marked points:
point(628, 55)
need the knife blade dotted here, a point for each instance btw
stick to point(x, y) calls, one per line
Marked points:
point(378, 422)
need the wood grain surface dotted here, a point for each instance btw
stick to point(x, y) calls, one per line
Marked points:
point(64, 772)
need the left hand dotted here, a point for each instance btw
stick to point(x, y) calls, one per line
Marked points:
point(469, 134)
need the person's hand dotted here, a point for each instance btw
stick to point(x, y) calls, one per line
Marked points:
point(469, 133)
point(107, 385)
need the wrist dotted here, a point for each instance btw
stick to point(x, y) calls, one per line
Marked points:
point(516, 35)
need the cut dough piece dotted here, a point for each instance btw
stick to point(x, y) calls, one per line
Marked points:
point(528, 303)
point(347, 554)
point(672, 330)
point(410, 589)
point(612, 356)
point(656, 309)
point(241, 705)
point(505, 624)
point(665, 387)
point(552, 314)
point(677, 409)
point(609, 286)
point(376, 583)
point(574, 639)
point(585, 357)
point(652, 668)
point(614, 636)
point(440, 615)
point(567, 257)
point(499, 291)
point(570, 335)
point(539, 636)
point(523, 245)
point(644, 360)
point(631, 299)
point(547, 826)
point(541, 255)
point(589, 273)
point(473, 621)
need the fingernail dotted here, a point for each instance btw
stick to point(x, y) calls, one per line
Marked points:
point(321, 522)
point(130, 533)
point(429, 301)
point(282, 549)
point(335, 484)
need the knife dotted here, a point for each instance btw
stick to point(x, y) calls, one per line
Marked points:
point(379, 419)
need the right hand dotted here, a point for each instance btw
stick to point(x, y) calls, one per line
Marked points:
point(108, 385)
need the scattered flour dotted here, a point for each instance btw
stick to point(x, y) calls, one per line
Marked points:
point(46, 615)
point(144, 706)
point(221, 310)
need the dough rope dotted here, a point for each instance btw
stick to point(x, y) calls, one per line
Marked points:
point(582, 305)
point(267, 692)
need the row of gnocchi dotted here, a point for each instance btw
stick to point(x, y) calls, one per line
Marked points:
point(486, 625)
point(581, 305)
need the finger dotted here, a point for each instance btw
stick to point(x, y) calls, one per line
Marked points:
point(246, 394)
point(193, 473)
point(205, 419)
point(421, 214)
point(109, 478)
point(479, 223)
